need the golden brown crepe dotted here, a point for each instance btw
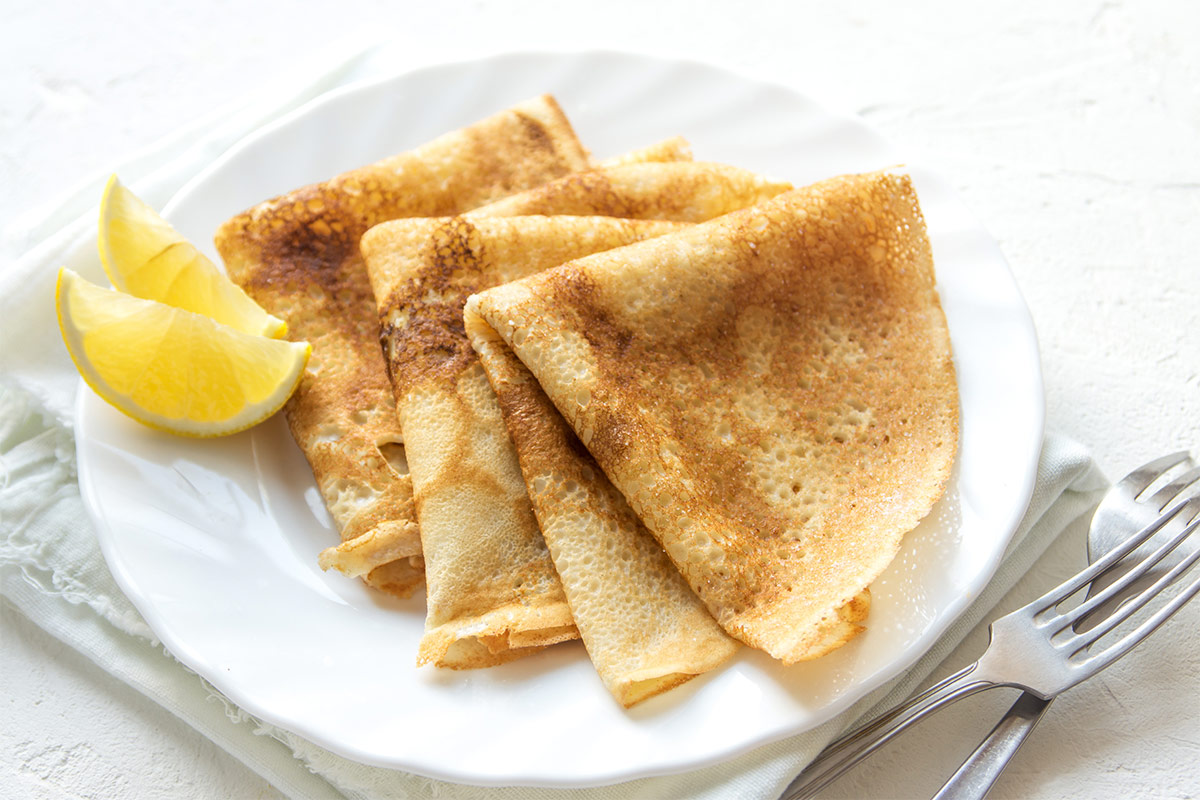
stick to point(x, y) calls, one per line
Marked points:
point(490, 580)
point(699, 192)
point(297, 255)
point(497, 510)
point(772, 392)
point(674, 149)
point(683, 191)
point(645, 630)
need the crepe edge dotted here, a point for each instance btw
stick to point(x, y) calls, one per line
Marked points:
point(499, 636)
point(841, 622)
point(632, 687)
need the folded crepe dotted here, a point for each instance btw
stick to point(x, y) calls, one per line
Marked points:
point(675, 148)
point(492, 591)
point(460, 616)
point(684, 191)
point(645, 630)
point(772, 392)
point(297, 255)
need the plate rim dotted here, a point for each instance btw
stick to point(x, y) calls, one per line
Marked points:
point(922, 644)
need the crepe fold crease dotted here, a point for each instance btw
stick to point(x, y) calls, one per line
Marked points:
point(772, 392)
point(297, 255)
point(490, 577)
point(644, 629)
point(682, 191)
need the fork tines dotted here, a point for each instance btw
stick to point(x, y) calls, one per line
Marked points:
point(1069, 587)
point(1138, 601)
point(1082, 641)
point(1141, 478)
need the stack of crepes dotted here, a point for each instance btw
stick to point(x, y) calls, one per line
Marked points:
point(657, 404)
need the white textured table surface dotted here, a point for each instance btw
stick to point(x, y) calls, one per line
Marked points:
point(1072, 129)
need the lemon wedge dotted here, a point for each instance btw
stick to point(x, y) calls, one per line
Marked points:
point(146, 257)
point(170, 368)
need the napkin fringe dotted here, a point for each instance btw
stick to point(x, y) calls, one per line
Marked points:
point(38, 492)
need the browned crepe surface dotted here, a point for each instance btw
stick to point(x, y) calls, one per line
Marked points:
point(674, 149)
point(490, 580)
point(653, 190)
point(684, 191)
point(772, 392)
point(297, 255)
point(644, 628)
point(423, 325)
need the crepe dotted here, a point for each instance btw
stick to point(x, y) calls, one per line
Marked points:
point(773, 393)
point(489, 578)
point(297, 255)
point(655, 190)
point(674, 149)
point(645, 630)
point(684, 191)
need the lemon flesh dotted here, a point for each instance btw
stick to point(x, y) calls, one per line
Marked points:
point(172, 369)
point(146, 257)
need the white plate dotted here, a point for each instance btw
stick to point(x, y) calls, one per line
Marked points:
point(216, 541)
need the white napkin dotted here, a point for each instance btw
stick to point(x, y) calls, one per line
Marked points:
point(50, 562)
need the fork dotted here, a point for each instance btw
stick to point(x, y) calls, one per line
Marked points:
point(1036, 648)
point(1127, 504)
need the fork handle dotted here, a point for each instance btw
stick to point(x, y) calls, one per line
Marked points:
point(979, 772)
point(847, 751)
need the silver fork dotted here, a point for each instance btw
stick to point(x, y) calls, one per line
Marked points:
point(1036, 648)
point(1126, 505)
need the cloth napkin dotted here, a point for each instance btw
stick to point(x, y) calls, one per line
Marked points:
point(52, 570)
